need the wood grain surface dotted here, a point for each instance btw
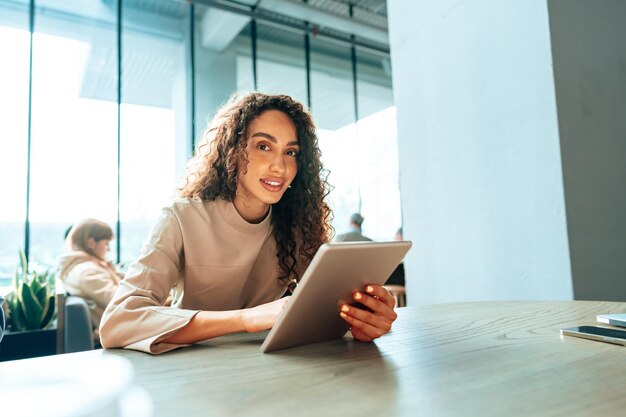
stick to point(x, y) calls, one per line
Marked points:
point(462, 359)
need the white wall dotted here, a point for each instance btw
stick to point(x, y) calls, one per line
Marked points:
point(480, 166)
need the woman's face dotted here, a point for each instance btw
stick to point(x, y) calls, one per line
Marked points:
point(100, 247)
point(272, 150)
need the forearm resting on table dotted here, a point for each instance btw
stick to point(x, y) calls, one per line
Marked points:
point(208, 324)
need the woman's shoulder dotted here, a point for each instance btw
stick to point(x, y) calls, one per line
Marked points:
point(186, 203)
point(186, 207)
point(70, 260)
point(86, 266)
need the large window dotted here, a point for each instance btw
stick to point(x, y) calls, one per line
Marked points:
point(361, 155)
point(105, 132)
point(14, 49)
point(154, 129)
point(74, 124)
point(281, 62)
point(332, 103)
point(378, 149)
point(223, 61)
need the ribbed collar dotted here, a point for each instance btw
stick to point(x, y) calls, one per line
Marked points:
point(233, 218)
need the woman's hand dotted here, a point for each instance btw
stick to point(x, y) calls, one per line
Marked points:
point(369, 325)
point(262, 317)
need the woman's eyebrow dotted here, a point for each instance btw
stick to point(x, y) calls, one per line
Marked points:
point(272, 138)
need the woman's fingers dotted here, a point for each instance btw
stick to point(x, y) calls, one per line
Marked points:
point(362, 330)
point(382, 294)
point(379, 321)
point(376, 304)
point(374, 321)
point(371, 324)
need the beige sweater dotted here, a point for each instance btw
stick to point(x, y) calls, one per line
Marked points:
point(211, 259)
point(91, 278)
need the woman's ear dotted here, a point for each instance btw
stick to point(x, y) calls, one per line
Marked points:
point(91, 243)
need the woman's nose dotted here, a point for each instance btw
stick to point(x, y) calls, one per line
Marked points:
point(278, 164)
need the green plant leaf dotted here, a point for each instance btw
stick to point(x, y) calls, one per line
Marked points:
point(33, 310)
point(43, 292)
point(17, 292)
point(49, 315)
point(45, 302)
point(35, 284)
point(15, 282)
point(18, 321)
point(23, 264)
point(48, 277)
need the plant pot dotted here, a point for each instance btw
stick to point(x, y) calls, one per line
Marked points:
point(28, 344)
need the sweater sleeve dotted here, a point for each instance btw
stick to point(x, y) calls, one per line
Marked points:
point(137, 317)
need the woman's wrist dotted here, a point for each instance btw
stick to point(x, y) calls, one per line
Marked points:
point(208, 324)
point(242, 320)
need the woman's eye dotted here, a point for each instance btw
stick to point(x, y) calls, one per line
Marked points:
point(263, 147)
point(292, 153)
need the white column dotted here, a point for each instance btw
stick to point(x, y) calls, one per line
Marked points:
point(480, 164)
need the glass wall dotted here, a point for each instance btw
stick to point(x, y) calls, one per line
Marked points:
point(378, 150)
point(281, 65)
point(223, 61)
point(75, 162)
point(74, 122)
point(154, 129)
point(360, 155)
point(14, 49)
point(332, 103)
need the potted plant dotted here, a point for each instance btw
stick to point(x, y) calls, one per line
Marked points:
point(30, 314)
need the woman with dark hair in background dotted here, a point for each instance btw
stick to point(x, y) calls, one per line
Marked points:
point(84, 269)
point(250, 218)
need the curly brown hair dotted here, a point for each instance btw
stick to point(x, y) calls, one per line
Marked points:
point(301, 219)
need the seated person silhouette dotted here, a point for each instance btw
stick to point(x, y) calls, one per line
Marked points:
point(354, 234)
point(85, 269)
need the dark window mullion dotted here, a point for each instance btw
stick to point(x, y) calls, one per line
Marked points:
point(356, 105)
point(254, 57)
point(307, 60)
point(191, 74)
point(118, 225)
point(31, 28)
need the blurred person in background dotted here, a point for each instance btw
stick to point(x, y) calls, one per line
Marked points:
point(355, 233)
point(85, 269)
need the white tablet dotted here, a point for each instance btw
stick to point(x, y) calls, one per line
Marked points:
point(335, 273)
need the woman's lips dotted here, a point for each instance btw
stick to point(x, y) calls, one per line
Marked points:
point(273, 185)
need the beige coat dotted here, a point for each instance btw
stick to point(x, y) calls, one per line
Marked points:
point(91, 278)
point(208, 256)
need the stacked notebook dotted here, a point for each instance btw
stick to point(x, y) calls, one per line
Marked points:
point(612, 319)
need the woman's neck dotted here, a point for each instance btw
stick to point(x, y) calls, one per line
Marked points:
point(252, 213)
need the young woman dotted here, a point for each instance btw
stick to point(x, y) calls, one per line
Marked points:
point(84, 269)
point(250, 218)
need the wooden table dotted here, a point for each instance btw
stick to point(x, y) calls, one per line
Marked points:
point(463, 359)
